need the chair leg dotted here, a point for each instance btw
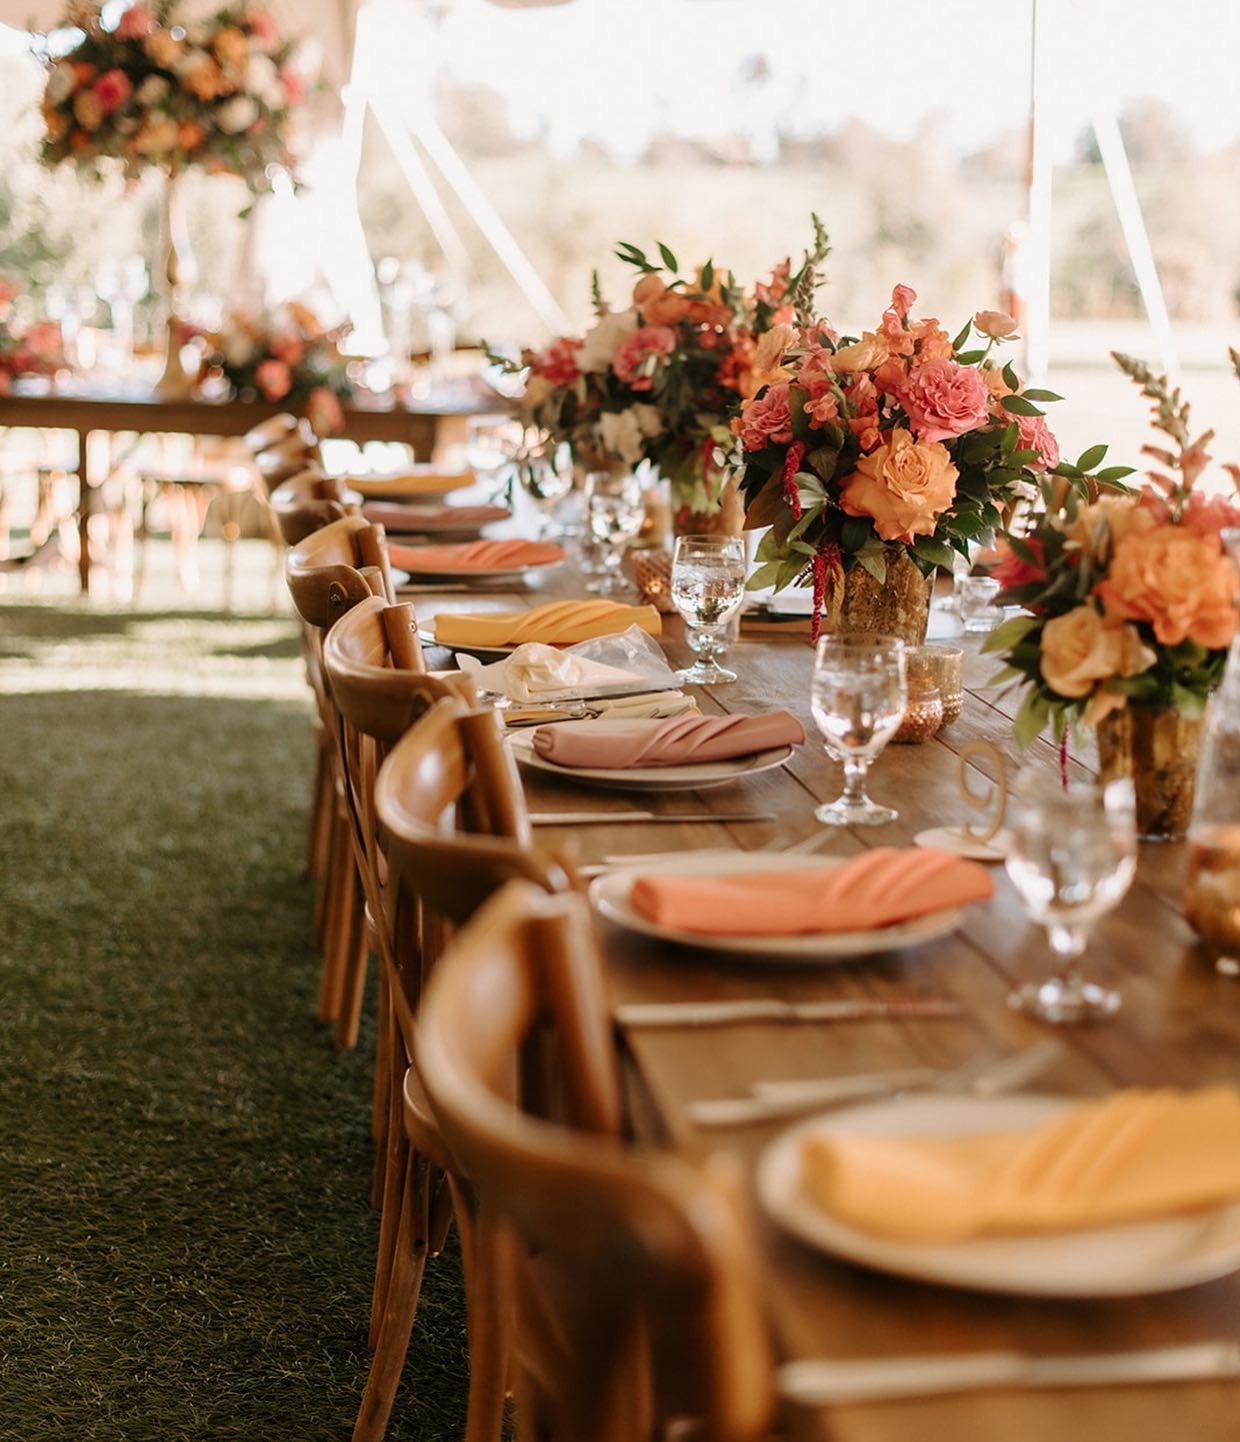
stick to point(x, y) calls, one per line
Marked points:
point(384, 1052)
point(400, 1309)
point(401, 1159)
point(340, 883)
point(320, 818)
point(489, 1318)
point(357, 950)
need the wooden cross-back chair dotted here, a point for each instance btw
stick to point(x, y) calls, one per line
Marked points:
point(450, 805)
point(270, 432)
point(630, 1273)
point(276, 463)
point(328, 573)
point(307, 502)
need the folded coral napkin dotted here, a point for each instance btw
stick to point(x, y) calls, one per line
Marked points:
point(620, 745)
point(559, 623)
point(1133, 1155)
point(475, 556)
point(407, 519)
point(881, 888)
point(420, 481)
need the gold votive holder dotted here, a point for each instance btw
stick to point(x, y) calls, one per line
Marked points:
point(923, 715)
point(940, 667)
point(652, 575)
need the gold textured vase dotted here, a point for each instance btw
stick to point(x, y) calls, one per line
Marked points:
point(1157, 747)
point(897, 606)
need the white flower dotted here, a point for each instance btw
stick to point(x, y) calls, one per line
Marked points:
point(61, 83)
point(263, 79)
point(622, 434)
point(152, 91)
point(600, 343)
point(237, 114)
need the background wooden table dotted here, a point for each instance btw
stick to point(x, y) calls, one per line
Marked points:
point(1179, 1025)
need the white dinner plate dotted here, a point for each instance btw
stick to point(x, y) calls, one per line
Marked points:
point(482, 574)
point(408, 486)
point(610, 895)
point(696, 777)
point(427, 637)
point(1138, 1257)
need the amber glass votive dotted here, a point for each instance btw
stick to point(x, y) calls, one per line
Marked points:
point(923, 715)
point(941, 667)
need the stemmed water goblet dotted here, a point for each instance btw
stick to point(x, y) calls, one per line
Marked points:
point(492, 444)
point(545, 472)
point(858, 700)
point(615, 510)
point(708, 586)
point(1072, 858)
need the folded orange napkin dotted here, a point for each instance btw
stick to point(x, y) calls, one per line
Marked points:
point(1132, 1155)
point(431, 518)
point(475, 556)
point(883, 887)
point(617, 745)
point(419, 481)
point(559, 623)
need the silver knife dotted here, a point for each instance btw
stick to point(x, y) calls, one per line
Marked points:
point(725, 1013)
point(832, 1383)
point(607, 818)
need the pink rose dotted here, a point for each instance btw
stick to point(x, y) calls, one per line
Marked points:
point(1011, 570)
point(1036, 435)
point(262, 29)
point(637, 358)
point(274, 378)
point(112, 88)
point(559, 361)
point(324, 412)
point(945, 399)
point(1209, 516)
point(294, 86)
point(136, 24)
point(287, 346)
point(767, 421)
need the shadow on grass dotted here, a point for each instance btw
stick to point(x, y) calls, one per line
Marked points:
point(184, 1160)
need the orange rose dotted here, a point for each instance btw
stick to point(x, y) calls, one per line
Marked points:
point(905, 485)
point(658, 305)
point(1122, 516)
point(1082, 648)
point(191, 135)
point(996, 324)
point(204, 77)
point(230, 48)
point(1184, 584)
point(163, 48)
point(88, 109)
point(867, 354)
point(157, 139)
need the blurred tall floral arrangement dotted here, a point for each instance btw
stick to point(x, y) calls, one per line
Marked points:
point(657, 380)
point(145, 90)
point(25, 350)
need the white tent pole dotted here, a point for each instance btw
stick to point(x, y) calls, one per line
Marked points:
point(1136, 237)
point(502, 241)
point(423, 187)
point(1041, 167)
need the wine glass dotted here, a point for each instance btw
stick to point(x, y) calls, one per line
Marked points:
point(858, 699)
point(1073, 856)
point(545, 472)
point(492, 444)
point(708, 586)
point(614, 514)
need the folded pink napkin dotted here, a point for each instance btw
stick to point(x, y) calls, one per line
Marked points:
point(432, 517)
point(475, 556)
point(619, 745)
point(881, 888)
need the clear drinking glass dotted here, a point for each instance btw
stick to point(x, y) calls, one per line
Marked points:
point(708, 586)
point(1072, 858)
point(978, 611)
point(492, 444)
point(858, 700)
point(614, 514)
point(545, 472)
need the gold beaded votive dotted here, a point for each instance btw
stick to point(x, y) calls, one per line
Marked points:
point(940, 667)
point(923, 715)
point(652, 575)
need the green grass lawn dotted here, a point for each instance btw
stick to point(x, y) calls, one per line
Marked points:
point(186, 1241)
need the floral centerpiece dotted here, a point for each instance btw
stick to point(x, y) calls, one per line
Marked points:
point(284, 356)
point(1132, 604)
point(657, 380)
point(33, 350)
point(146, 90)
point(874, 460)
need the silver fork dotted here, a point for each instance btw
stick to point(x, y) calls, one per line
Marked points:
point(770, 1101)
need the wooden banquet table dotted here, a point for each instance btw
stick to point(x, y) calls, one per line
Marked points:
point(1179, 1025)
point(84, 409)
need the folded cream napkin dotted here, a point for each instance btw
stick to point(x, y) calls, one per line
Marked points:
point(1133, 1155)
point(558, 623)
point(621, 745)
point(407, 519)
point(418, 481)
point(534, 671)
point(475, 556)
point(883, 887)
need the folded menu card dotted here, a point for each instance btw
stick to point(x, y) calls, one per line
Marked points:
point(1133, 1155)
point(476, 556)
point(881, 888)
point(419, 481)
point(559, 623)
point(437, 518)
point(682, 741)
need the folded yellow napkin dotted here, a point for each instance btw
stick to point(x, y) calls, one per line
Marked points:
point(559, 623)
point(1132, 1156)
point(417, 481)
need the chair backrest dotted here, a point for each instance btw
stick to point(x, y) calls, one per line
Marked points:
point(332, 569)
point(270, 432)
point(307, 502)
point(284, 459)
point(642, 1266)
